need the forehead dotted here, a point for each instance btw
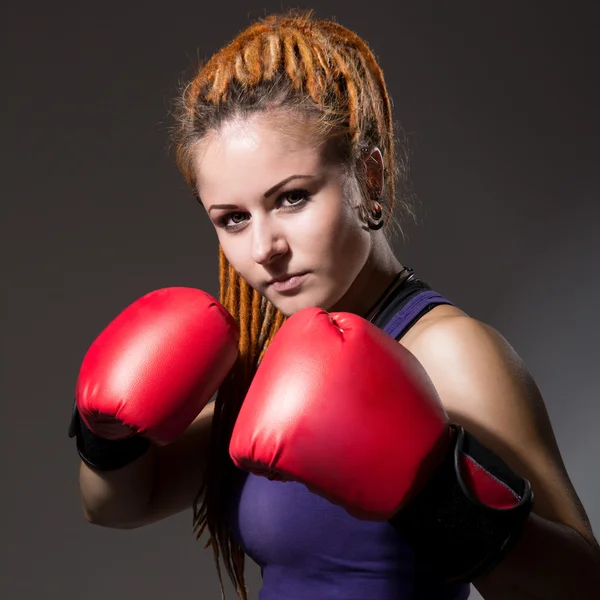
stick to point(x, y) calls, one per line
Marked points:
point(250, 152)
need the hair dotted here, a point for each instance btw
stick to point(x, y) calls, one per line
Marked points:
point(327, 77)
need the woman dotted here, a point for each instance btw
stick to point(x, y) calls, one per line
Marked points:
point(286, 138)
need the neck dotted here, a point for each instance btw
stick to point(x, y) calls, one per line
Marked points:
point(379, 271)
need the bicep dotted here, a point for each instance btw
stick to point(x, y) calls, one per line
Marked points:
point(485, 387)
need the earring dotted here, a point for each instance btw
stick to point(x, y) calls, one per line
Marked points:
point(375, 220)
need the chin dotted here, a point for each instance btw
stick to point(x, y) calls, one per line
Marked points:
point(293, 304)
point(289, 306)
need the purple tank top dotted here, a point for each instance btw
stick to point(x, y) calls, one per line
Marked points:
point(310, 549)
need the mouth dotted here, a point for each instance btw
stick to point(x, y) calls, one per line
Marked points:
point(287, 282)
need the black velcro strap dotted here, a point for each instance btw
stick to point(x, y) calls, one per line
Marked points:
point(102, 454)
point(452, 528)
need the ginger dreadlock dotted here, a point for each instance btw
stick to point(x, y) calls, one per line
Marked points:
point(326, 74)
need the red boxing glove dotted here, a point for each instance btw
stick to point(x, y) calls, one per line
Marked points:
point(156, 365)
point(342, 407)
point(339, 405)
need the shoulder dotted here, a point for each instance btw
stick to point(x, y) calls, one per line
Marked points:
point(485, 386)
point(479, 376)
point(449, 325)
point(458, 350)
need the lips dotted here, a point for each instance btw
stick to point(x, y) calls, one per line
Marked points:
point(287, 283)
point(282, 278)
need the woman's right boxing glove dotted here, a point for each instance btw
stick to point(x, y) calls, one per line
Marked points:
point(150, 373)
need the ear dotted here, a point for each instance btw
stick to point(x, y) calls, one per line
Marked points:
point(373, 169)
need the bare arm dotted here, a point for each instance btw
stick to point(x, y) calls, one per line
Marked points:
point(161, 483)
point(486, 388)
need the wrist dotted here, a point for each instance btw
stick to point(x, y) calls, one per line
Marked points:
point(470, 513)
point(102, 454)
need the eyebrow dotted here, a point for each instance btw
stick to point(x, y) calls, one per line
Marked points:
point(268, 193)
point(272, 190)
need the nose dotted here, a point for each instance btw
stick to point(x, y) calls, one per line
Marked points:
point(268, 243)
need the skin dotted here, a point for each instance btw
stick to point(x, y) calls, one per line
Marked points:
point(481, 381)
point(309, 225)
point(313, 225)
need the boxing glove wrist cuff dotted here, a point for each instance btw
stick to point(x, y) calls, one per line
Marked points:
point(470, 514)
point(102, 454)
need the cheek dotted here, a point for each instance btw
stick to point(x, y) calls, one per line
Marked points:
point(334, 238)
point(236, 251)
point(350, 241)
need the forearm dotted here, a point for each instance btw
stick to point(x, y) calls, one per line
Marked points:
point(118, 498)
point(550, 562)
point(162, 482)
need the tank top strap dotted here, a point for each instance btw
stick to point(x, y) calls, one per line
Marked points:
point(413, 299)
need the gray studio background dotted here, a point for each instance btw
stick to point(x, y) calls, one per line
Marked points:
point(500, 100)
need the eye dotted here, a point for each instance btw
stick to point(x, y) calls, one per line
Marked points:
point(290, 200)
point(232, 220)
point(294, 198)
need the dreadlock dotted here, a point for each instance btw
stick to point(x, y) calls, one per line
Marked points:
point(326, 74)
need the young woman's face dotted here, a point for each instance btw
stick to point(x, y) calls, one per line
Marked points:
point(286, 218)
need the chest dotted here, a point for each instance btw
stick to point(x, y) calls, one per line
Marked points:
point(285, 523)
